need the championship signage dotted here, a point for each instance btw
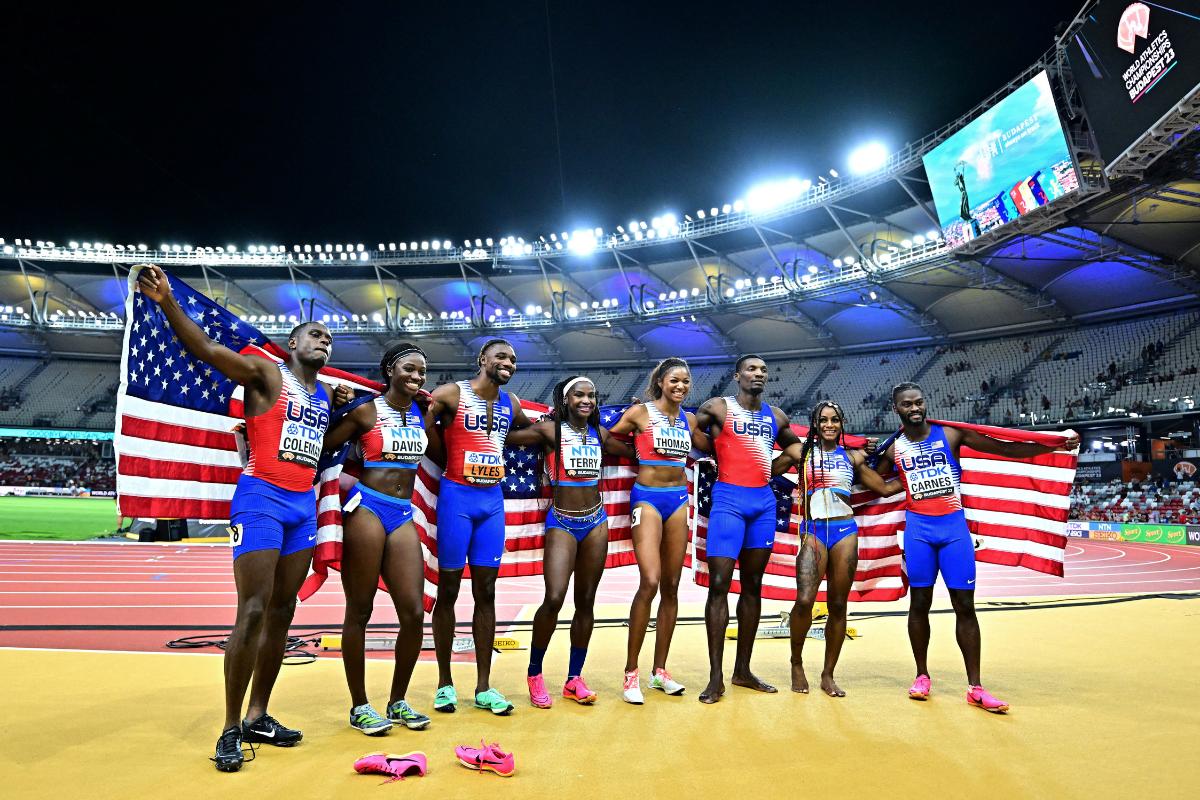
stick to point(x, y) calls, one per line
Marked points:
point(1133, 62)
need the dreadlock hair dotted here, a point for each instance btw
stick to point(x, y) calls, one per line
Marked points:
point(811, 443)
point(904, 387)
point(561, 413)
point(489, 344)
point(653, 390)
point(737, 367)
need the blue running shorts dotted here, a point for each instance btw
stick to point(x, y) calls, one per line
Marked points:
point(665, 500)
point(262, 516)
point(829, 531)
point(742, 518)
point(939, 544)
point(579, 527)
point(470, 525)
point(391, 511)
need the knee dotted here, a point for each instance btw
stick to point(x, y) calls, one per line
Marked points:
point(409, 616)
point(283, 612)
point(357, 614)
point(837, 609)
point(251, 612)
point(669, 589)
point(648, 587)
point(554, 600)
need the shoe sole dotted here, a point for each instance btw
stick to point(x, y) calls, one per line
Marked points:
point(372, 731)
point(486, 768)
point(583, 701)
point(272, 742)
point(633, 702)
point(675, 693)
point(499, 713)
point(921, 697)
point(1000, 710)
point(536, 704)
point(232, 767)
point(449, 708)
point(415, 726)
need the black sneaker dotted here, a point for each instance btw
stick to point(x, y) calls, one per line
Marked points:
point(267, 730)
point(228, 757)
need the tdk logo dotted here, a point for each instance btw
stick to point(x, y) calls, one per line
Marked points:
point(306, 415)
point(478, 422)
point(923, 461)
point(742, 428)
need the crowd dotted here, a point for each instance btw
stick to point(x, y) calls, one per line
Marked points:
point(1152, 501)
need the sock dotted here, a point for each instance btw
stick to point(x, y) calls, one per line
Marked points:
point(578, 654)
point(536, 654)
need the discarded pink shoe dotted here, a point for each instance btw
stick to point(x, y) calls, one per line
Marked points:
point(398, 767)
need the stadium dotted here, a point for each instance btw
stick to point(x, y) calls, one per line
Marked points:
point(1033, 264)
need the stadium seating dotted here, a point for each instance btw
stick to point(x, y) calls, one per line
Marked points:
point(1169, 502)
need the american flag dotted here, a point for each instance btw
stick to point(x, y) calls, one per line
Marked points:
point(1016, 510)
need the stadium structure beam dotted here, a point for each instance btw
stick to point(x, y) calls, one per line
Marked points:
point(920, 203)
point(1166, 267)
point(853, 244)
point(551, 348)
point(34, 311)
point(82, 303)
point(246, 292)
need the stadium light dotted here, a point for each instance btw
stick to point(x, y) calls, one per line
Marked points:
point(868, 158)
point(773, 194)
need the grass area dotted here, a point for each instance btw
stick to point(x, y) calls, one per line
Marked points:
point(57, 517)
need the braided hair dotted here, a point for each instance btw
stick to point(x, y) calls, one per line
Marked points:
point(653, 390)
point(561, 413)
point(811, 443)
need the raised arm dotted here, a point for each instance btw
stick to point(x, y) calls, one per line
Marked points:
point(631, 422)
point(250, 371)
point(997, 447)
point(787, 459)
point(872, 479)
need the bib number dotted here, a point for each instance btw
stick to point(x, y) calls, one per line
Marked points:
point(483, 469)
point(403, 444)
point(929, 483)
point(672, 442)
point(635, 517)
point(235, 535)
point(300, 444)
point(581, 460)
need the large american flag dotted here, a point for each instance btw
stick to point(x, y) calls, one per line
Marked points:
point(1016, 510)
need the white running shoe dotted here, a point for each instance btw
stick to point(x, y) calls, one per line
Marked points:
point(633, 689)
point(663, 681)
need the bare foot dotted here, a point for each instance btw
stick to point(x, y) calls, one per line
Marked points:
point(712, 693)
point(799, 679)
point(830, 688)
point(750, 681)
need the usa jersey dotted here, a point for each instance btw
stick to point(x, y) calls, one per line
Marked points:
point(932, 476)
point(580, 458)
point(397, 440)
point(828, 478)
point(663, 443)
point(285, 440)
point(475, 454)
point(745, 444)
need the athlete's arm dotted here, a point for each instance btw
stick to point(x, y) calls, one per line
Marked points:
point(700, 439)
point(788, 458)
point(707, 415)
point(632, 421)
point(872, 479)
point(250, 371)
point(339, 395)
point(435, 449)
point(537, 433)
point(443, 403)
point(996, 447)
point(613, 446)
point(786, 437)
point(351, 426)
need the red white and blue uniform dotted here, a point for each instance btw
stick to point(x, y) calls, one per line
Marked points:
point(470, 513)
point(397, 440)
point(662, 443)
point(743, 502)
point(580, 466)
point(828, 481)
point(274, 506)
point(936, 538)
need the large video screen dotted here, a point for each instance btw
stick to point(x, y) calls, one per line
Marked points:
point(1012, 159)
point(1133, 62)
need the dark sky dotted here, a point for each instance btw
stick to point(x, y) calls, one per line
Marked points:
point(209, 123)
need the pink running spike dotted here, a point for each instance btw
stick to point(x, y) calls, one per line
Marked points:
point(921, 688)
point(538, 695)
point(487, 758)
point(578, 691)
point(978, 696)
point(398, 767)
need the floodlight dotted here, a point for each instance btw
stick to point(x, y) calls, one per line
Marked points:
point(868, 158)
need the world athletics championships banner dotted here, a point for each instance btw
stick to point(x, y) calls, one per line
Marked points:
point(1133, 62)
point(1144, 533)
point(1011, 160)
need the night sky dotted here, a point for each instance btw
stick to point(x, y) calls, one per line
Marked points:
point(239, 123)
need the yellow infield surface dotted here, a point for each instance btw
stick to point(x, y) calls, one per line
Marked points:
point(1104, 701)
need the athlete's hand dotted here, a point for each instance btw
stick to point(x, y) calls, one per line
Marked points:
point(342, 394)
point(153, 283)
point(1072, 442)
point(871, 444)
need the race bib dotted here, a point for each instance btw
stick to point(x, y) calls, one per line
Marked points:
point(300, 444)
point(403, 444)
point(672, 442)
point(581, 460)
point(235, 535)
point(924, 484)
point(483, 469)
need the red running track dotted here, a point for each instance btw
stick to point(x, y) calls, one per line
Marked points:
point(130, 584)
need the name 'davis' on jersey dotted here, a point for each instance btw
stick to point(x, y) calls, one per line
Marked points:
point(404, 441)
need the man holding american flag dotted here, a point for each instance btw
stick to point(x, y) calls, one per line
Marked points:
point(936, 534)
point(273, 514)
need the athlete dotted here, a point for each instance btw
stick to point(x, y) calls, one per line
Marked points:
point(663, 435)
point(741, 525)
point(273, 522)
point(829, 538)
point(576, 527)
point(475, 417)
point(393, 434)
point(936, 538)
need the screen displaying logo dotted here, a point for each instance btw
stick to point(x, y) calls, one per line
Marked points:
point(1135, 22)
